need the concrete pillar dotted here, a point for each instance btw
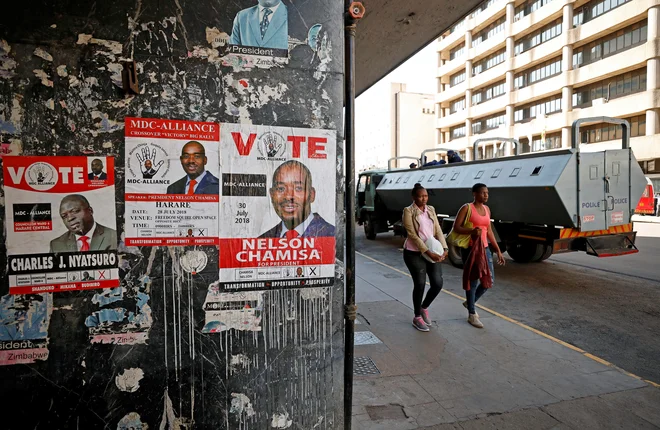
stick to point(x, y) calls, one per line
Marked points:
point(509, 116)
point(468, 73)
point(468, 98)
point(510, 12)
point(508, 86)
point(510, 47)
point(567, 99)
point(566, 137)
point(567, 21)
point(468, 127)
point(566, 58)
point(652, 70)
point(653, 23)
point(652, 122)
point(468, 41)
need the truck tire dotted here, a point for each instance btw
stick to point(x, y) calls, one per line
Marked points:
point(369, 227)
point(525, 251)
point(546, 253)
point(454, 254)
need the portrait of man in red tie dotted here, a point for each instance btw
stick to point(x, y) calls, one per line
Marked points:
point(198, 180)
point(292, 195)
point(84, 234)
point(97, 173)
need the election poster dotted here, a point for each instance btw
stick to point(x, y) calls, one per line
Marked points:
point(61, 223)
point(278, 210)
point(172, 187)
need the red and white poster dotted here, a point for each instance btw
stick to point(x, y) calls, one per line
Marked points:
point(61, 223)
point(278, 210)
point(171, 182)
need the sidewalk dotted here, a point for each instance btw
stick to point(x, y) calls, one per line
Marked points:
point(459, 377)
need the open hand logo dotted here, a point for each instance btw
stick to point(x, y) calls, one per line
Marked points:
point(148, 164)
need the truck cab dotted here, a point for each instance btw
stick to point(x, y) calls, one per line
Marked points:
point(367, 202)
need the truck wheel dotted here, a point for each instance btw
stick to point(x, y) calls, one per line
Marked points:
point(546, 253)
point(369, 228)
point(525, 251)
point(454, 255)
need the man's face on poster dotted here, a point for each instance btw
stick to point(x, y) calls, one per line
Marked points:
point(268, 3)
point(76, 215)
point(147, 165)
point(97, 166)
point(292, 195)
point(193, 159)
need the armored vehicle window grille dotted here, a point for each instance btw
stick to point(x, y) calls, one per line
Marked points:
point(616, 169)
point(442, 177)
point(515, 172)
point(593, 172)
point(421, 178)
point(479, 174)
point(398, 180)
point(496, 173)
point(405, 181)
point(537, 170)
point(454, 176)
point(431, 178)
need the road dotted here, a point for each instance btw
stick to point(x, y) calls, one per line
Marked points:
point(608, 307)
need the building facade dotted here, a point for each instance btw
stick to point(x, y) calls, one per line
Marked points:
point(528, 69)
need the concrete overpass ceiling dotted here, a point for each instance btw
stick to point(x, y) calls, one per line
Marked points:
point(394, 30)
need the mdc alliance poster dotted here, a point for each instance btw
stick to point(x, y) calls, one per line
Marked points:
point(278, 207)
point(61, 223)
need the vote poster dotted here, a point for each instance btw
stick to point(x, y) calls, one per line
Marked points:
point(172, 187)
point(61, 223)
point(278, 210)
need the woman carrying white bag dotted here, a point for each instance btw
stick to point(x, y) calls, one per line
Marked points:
point(423, 251)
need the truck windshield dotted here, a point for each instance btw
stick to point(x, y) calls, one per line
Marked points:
point(362, 184)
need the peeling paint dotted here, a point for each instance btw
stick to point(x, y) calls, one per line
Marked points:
point(24, 322)
point(113, 46)
point(129, 380)
point(62, 72)
point(43, 76)
point(241, 405)
point(43, 54)
point(240, 360)
point(7, 64)
point(50, 104)
point(225, 311)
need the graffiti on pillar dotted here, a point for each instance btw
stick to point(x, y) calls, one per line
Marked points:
point(278, 190)
point(61, 233)
point(24, 321)
point(171, 182)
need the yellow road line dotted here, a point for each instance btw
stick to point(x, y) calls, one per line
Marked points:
point(526, 327)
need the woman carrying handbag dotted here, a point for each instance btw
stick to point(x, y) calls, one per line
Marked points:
point(423, 251)
point(471, 233)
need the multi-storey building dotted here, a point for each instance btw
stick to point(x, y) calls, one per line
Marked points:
point(529, 68)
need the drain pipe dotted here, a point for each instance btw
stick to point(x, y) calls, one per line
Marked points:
point(354, 11)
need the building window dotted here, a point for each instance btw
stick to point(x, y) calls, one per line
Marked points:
point(490, 152)
point(611, 44)
point(482, 7)
point(488, 123)
point(455, 27)
point(537, 73)
point(538, 37)
point(543, 143)
point(612, 88)
point(457, 51)
point(488, 32)
point(462, 154)
point(457, 132)
point(488, 93)
point(604, 132)
point(457, 78)
point(528, 7)
point(489, 62)
point(533, 110)
point(594, 9)
point(456, 105)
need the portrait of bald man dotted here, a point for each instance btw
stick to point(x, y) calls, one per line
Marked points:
point(97, 172)
point(83, 232)
point(292, 195)
point(197, 180)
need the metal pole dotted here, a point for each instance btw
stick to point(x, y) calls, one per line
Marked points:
point(354, 11)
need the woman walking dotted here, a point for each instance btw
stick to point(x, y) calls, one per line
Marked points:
point(421, 224)
point(473, 219)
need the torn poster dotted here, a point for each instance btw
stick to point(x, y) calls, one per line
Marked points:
point(61, 224)
point(171, 182)
point(24, 321)
point(278, 191)
point(226, 311)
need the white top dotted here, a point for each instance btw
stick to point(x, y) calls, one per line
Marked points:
point(300, 228)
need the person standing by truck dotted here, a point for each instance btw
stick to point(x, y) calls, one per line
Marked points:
point(421, 224)
point(478, 227)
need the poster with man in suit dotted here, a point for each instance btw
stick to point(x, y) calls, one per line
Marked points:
point(265, 25)
point(278, 193)
point(171, 182)
point(60, 223)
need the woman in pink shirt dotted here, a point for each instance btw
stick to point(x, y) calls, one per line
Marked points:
point(482, 230)
point(421, 223)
